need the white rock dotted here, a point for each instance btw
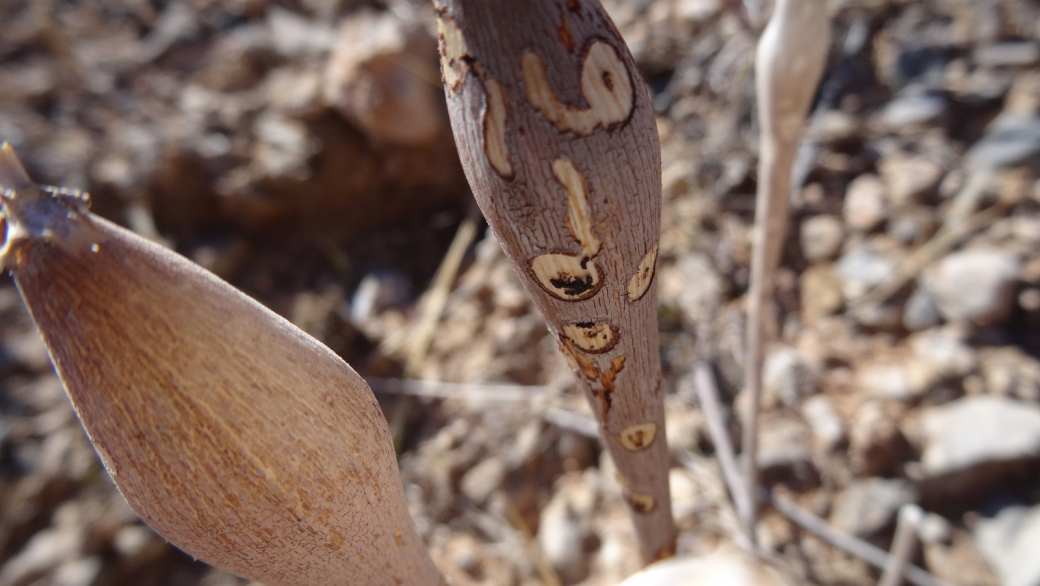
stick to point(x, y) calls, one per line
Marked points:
point(786, 376)
point(975, 285)
point(725, 567)
point(828, 429)
point(866, 507)
point(901, 380)
point(909, 178)
point(977, 430)
point(821, 237)
point(865, 205)
point(1010, 541)
point(862, 269)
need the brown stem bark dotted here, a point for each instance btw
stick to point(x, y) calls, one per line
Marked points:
point(559, 143)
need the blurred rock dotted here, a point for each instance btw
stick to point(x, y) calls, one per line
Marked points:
point(1009, 372)
point(978, 430)
point(1009, 54)
point(909, 178)
point(786, 377)
point(783, 455)
point(975, 285)
point(876, 443)
point(379, 79)
point(901, 380)
point(866, 507)
point(689, 284)
point(921, 311)
point(564, 528)
point(1009, 537)
point(1009, 141)
point(483, 479)
point(914, 109)
point(828, 429)
point(862, 269)
point(821, 291)
point(865, 205)
point(821, 237)
point(727, 566)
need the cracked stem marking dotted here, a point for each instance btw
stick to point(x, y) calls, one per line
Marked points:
point(644, 275)
point(579, 213)
point(605, 83)
point(592, 337)
point(496, 109)
point(638, 437)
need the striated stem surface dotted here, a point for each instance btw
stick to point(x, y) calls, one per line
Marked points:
point(557, 136)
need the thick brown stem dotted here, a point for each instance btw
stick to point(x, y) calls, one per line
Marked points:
point(559, 143)
point(789, 62)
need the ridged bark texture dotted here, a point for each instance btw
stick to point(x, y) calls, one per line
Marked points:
point(558, 140)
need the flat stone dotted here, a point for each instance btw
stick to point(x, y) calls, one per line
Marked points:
point(1009, 141)
point(1009, 539)
point(828, 429)
point(867, 507)
point(920, 311)
point(821, 288)
point(786, 377)
point(976, 285)
point(978, 430)
point(909, 178)
point(902, 380)
point(821, 237)
point(862, 269)
point(914, 110)
point(1009, 54)
point(865, 205)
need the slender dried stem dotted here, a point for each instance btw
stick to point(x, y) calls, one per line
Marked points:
point(790, 59)
point(872, 555)
point(904, 545)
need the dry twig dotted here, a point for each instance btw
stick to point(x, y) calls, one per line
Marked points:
point(872, 555)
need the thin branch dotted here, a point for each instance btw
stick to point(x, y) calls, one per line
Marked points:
point(437, 295)
point(904, 545)
point(872, 555)
point(708, 395)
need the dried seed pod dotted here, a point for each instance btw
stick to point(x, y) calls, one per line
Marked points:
point(236, 436)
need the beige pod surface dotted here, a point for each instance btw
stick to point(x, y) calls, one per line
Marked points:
point(232, 433)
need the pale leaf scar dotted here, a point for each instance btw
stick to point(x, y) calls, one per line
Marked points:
point(644, 275)
point(638, 437)
point(564, 276)
point(592, 337)
point(605, 83)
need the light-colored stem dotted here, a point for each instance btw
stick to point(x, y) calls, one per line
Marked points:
point(789, 62)
point(904, 545)
point(558, 140)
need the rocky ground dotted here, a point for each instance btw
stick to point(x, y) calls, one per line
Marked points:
point(301, 150)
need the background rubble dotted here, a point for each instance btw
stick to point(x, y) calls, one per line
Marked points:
point(301, 150)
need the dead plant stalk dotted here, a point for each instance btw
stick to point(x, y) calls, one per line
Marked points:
point(789, 62)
